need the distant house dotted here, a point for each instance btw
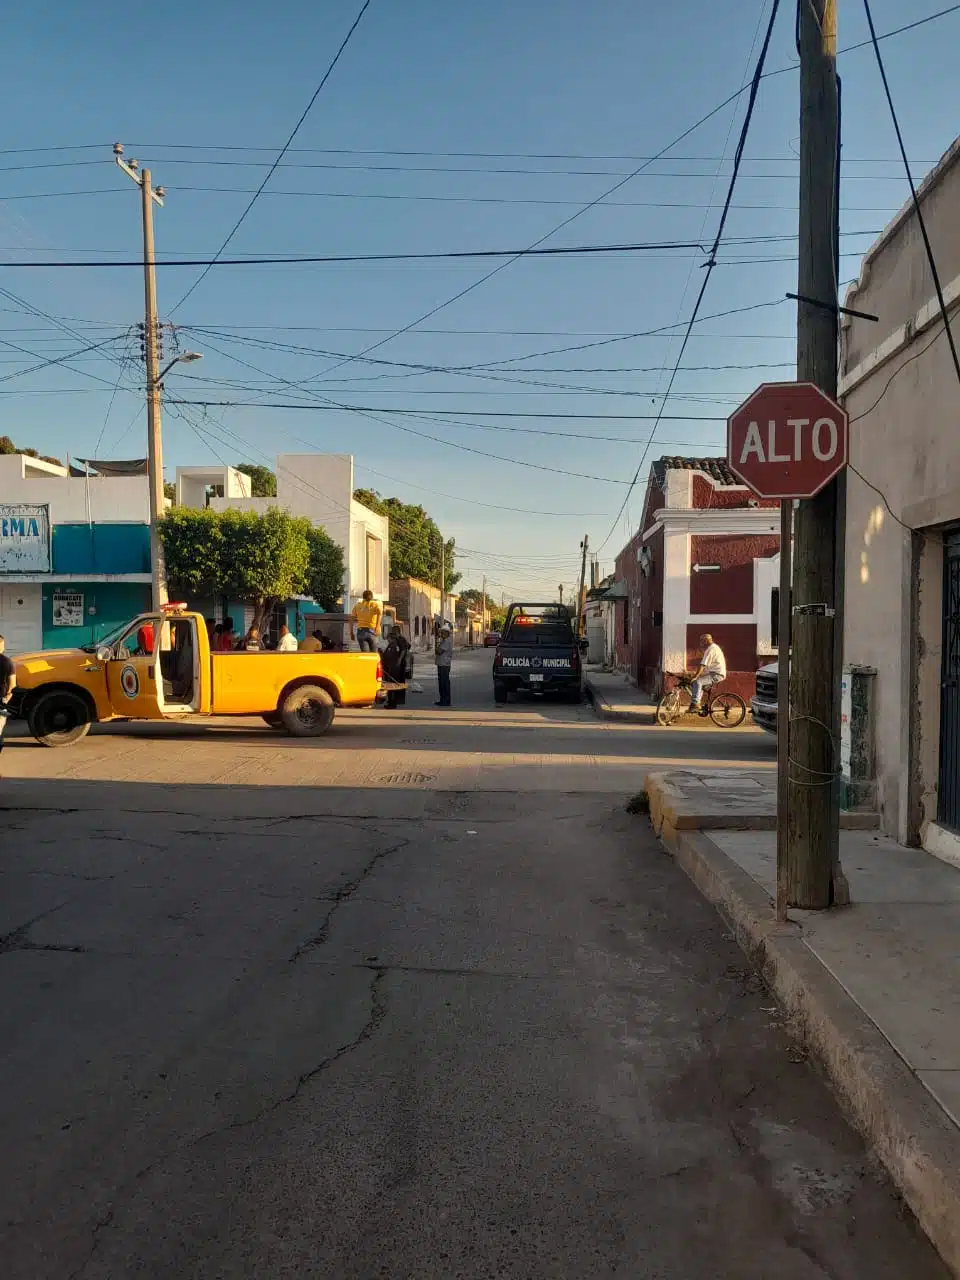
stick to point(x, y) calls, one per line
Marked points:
point(706, 558)
point(418, 605)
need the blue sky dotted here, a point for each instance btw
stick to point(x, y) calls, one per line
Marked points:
point(444, 127)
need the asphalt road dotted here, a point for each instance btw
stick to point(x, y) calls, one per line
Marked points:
point(260, 1023)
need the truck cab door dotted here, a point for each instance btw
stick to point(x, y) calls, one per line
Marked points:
point(134, 669)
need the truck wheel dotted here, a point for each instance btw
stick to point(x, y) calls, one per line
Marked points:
point(307, 711)
point(59, 718)
point(499, 691)
point(274, 719)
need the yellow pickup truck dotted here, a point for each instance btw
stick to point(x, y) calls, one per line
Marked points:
point(160, 666)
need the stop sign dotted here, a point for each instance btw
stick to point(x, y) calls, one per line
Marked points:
point(788, 440)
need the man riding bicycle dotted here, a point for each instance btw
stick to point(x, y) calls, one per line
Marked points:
point(712, 669)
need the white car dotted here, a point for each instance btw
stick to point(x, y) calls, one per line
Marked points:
point(764, 702)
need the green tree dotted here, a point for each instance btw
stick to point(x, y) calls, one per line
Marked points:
point(325, 570)
point(265, 558)
point(7, 446)
point(415, 540)
point(260, 559)
point(263, 483)
point(193, 551)
point(170, 490)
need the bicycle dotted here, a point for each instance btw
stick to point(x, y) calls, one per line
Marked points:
point(727, 710)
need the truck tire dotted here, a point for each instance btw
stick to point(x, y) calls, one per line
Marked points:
point(59, 718)
point(273, 719)
point(307, 711)
point(499, 691)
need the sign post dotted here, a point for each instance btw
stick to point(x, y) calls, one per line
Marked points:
point(787, 441)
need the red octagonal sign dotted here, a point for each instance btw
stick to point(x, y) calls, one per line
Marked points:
point(788, 440)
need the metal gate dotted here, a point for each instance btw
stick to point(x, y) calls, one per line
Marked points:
point(948, 808)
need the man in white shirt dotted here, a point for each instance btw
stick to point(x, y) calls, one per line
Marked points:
point(712, 669)
point(287, 642)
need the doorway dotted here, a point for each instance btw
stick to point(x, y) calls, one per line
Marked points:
point(948, 805)
point(20, 617)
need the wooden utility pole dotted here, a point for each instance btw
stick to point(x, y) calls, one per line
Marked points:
point(811, 875)
point(443, 578)
point(584, 548)
point(148, 198)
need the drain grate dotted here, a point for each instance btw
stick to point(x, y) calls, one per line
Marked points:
point(424, 741)
point(409, 779)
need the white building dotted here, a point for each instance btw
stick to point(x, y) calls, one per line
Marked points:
point(74, 553)
point(320, 487)
point(902, 607)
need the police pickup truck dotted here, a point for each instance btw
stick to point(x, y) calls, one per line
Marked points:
point(538, 652)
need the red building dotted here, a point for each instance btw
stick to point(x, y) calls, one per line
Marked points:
point(706, 558)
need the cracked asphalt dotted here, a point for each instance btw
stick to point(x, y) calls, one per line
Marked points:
point(306, 1029)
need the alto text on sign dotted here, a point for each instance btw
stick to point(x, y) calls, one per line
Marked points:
point(787, 440)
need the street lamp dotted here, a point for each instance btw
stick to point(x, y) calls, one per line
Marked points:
point(185, 357)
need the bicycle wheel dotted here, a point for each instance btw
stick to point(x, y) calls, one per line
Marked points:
point(727, 710)
point(672, 706)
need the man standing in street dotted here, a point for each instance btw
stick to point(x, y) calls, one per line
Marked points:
point(444, 661)
point(8, 682)
point(712, 669)
point(366, 622)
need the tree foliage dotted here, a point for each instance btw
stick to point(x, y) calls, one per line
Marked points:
point(7, 446)
point(263, 483)
point(416, 544)
point(325, 570)
point(260, 559)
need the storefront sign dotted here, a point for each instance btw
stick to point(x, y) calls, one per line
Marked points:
point(68, 608)
point(24, 538)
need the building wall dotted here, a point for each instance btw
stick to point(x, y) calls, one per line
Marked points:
point(417, 603)
point(651, 616)
point(101, 498)
point(105, 605)
point(901, 399)
point(729, 590)
point(101, 548)
point(319, 486)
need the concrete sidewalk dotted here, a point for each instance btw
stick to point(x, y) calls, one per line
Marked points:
point(615, 698)
point(873, 989)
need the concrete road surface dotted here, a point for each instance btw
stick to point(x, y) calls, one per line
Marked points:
point(374, 1006)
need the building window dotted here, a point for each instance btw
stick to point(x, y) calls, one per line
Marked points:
point(416, 625)
point(626, 622)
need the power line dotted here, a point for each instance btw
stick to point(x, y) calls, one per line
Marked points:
point(653, 246)
point(711, 263)
point(921, 221)
point(283, 150)
point(333, 406)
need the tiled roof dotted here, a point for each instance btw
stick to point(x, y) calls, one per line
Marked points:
point(715, 467)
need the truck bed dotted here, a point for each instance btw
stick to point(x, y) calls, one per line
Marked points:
point(251, 683)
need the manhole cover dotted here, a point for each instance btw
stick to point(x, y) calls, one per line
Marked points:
point(409, 779)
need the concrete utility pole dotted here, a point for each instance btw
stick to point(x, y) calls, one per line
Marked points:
point(149, 198)
point(812, 876)
point(483, 608)
point(561, 593)
point(584, 548)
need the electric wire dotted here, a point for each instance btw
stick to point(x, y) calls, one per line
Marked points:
point(283, 150)
point(738, 155)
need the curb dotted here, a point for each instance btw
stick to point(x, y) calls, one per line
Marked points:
point(912, 1137)
point(604, 709)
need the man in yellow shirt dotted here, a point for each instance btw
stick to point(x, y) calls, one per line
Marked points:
point(366, 622)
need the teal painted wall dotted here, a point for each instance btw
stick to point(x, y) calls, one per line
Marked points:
point(114, 603)
point(101, 548)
